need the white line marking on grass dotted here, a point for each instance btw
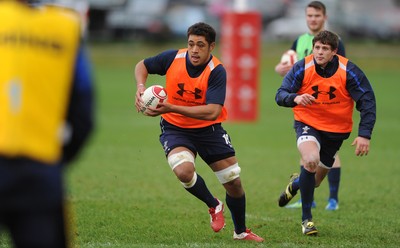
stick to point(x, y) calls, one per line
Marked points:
point(257, 217)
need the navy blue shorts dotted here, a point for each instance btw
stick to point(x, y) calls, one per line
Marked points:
point(31, 202)
point(329, 143)
point(212, 143)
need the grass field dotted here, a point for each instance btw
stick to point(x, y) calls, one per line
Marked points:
point(124, 194)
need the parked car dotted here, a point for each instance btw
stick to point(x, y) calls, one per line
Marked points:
point(99, 10)
point(180, 16)
point(161, 19)
point(290, 26)
point(105, 4)
point(353, 19)
point(294, 22)
point(138, 17)
point(269, 9)
point(80, 6)
point(371, 19)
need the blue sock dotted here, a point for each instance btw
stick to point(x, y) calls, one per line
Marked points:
point(295, 184)
point(237, 206)
point(307, 186)
point(334, 180)
point(201, 191)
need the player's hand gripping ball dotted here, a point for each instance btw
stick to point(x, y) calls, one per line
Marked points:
point(289, 57)
point(152, 96)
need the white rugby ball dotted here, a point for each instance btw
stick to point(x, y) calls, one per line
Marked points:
point(289, 57)
point(152, 96)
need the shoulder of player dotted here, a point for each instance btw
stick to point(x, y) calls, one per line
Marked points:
point(341, 43)
point(219, 69)
point(353, 70)
point(304, 35)
point(218, 74)
point(167, 55)
point(299, 65)
point(297, 71)
point(356, 78)
point(294, 44)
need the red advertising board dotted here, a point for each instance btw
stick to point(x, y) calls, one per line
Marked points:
point(240, 52)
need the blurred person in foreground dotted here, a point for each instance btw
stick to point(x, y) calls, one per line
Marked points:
point(46, 117)
point(315, 17)
point(322, 89)
point(191, 124)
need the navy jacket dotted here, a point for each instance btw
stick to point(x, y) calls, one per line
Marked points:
point(357, 84)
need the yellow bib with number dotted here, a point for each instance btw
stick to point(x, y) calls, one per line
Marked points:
point(38, 50)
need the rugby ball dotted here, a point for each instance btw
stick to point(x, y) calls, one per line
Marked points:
point(152, 96)
point(289, 57)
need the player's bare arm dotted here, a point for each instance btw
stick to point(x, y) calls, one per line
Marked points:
point(141, 74)
point(203, 112)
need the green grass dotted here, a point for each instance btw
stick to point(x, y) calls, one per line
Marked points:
point(124, 194)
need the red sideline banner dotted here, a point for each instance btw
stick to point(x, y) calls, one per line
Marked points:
point(240, 51)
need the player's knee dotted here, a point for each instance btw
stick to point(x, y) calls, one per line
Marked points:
point(184, 175)
point(311, 162)
point(190, 183)
point(323, 171)
point(179, 158)
point(311, 158)
point(228, 174)
point(182, 163)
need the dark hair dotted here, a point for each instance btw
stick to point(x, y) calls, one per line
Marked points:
point(317, 5)
point(327, 38)
point(202, 29)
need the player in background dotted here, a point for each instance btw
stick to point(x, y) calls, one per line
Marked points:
point(191, 124)
point(315, 17)
point(46, 118)
point(321, 89)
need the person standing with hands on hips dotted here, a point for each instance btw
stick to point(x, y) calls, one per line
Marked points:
point(191, 124)
point(316, 18)
point(322, 89)
point(46, 118)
